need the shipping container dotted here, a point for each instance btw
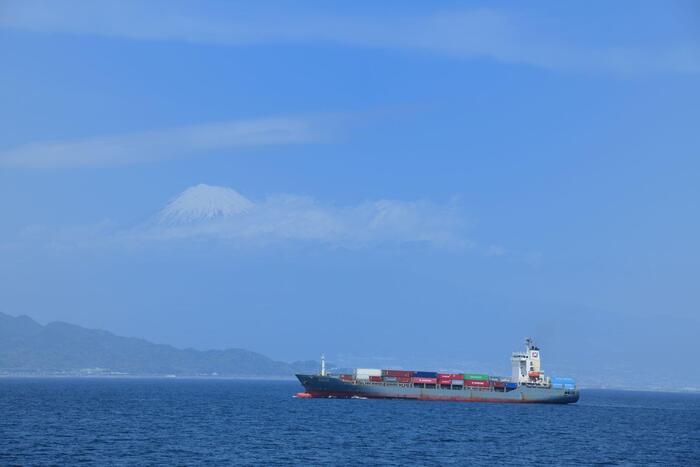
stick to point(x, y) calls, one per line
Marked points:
point(361, 377)
point(425, 374)
point(402, 379)
point(390, 379)
point(346, 377)
point(424, 380)
point(447, 382)
point(563, 386)
point(451, 375)
point(558, 380)
point(398, 373)
point(475, 376)
point(499, 384)
point(457, 382)
point(375, 379)
point(367, 371)
point(511, 385)
point(477, 382)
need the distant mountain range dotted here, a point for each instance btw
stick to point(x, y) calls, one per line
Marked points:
point(29, 348)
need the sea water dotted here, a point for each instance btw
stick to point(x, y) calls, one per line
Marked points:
point(223, 422)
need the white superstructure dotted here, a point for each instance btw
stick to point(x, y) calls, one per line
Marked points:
point(526, 365)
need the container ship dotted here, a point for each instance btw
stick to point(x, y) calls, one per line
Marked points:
point(527, 384)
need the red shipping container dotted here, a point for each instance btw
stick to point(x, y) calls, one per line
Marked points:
point(346, 377)
point(499, 384)
point(397, 373)
point(376, 379)
point(476, 382)
point(445, 380)
point(425, 380)
point(450, 376)
point(402, 379)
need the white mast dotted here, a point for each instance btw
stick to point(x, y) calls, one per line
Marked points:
point(323, 365)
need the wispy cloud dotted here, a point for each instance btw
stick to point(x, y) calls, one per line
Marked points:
point(133, 148)
point(465, 33)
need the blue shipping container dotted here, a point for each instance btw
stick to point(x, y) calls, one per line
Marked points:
point(511, 385)
point(558, 380)
point(563, 386)
point(425, 374)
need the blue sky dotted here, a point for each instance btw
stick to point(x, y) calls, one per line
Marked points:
point(427, 182)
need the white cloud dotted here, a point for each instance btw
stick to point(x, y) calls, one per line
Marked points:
point(170, 143)
point(218, 213)
point(464, 33)
point(223, 217)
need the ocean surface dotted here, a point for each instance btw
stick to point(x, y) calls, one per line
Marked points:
point(220, 422)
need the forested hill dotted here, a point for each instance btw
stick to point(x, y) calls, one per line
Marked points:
point(27, 347)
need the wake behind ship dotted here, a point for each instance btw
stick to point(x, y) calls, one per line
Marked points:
point(527, 384)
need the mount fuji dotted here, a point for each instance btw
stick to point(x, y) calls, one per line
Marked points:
point(204, 203)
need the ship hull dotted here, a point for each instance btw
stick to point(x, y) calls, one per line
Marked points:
point(328, 386)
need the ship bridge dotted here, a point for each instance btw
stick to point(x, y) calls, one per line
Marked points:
point(527, 366)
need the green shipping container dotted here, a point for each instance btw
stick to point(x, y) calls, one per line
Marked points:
point(476, 376)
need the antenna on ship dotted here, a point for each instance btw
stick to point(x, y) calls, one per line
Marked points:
point(323, 365)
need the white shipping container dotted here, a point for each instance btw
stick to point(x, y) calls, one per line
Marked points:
point(362, 377)
point(367, 372)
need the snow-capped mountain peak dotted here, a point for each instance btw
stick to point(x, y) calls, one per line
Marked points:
point(204, 202)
